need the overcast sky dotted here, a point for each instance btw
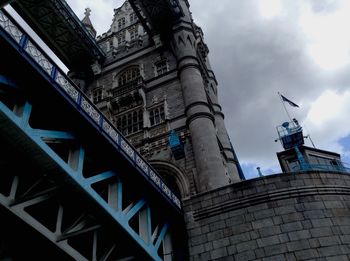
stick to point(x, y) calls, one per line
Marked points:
point(260, 47)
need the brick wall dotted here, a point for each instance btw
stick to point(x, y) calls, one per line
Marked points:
point(282, 217)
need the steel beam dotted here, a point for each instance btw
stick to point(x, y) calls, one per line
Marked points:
point(48, 198)
point(56, 23)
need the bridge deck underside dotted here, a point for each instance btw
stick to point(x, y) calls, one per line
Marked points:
point(58, 26)
point(62, 178)
point(18, 241)
point(38, 204)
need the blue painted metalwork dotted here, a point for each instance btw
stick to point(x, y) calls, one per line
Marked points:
point(176, 146)
point(86, 183)
point(63, 15)
point(303, 164)
point(50, 71)
point(290, 134)
point(239, 168)
point(101, 177)
point(6, 81)
point(37, 58)
point(161, 236)
point(135, 209)
point(325, 167)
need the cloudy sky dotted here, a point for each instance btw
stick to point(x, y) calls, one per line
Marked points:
point(300, 48)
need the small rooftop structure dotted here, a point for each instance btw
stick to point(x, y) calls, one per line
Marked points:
point(290, 134)
point(314, 159)
point(298, 157)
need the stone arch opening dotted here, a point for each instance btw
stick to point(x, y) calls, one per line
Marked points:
point(173, 177)
point(178, 183)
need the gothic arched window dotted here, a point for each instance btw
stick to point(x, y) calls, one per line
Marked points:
point(128, 76)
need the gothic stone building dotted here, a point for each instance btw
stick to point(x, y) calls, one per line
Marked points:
point(162, 94)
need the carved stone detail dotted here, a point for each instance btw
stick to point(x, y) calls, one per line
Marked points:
point(89, 109)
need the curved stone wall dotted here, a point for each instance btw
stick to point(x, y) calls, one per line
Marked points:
point(281, 217)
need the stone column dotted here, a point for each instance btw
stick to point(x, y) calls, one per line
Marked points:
point(210, 169)
point(231, 162)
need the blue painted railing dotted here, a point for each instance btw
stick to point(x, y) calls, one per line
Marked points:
point(61, 82)
point(324, 167)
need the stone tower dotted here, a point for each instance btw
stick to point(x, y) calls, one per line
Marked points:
point(161, 93)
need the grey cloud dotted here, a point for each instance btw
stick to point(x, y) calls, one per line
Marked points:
point(324, 6)
point(253, 60)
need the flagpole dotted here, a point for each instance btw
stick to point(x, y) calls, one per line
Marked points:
point(309, 136)
point(284, 106)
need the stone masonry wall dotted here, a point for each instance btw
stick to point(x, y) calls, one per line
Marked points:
point(304, 216)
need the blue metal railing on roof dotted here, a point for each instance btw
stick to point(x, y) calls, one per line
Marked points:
point(323, 167)
point(61, 82)
point(337, 168)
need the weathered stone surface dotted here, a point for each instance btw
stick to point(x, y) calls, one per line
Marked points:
point(274, 223)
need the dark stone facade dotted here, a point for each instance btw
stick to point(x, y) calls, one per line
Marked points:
point(295, 216)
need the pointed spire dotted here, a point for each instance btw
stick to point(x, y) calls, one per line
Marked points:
point(87, 22)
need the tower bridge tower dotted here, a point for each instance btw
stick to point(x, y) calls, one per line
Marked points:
point(157, 84)
point(72, 182)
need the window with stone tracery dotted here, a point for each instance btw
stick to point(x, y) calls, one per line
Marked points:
point(156, 116)
point(133, 34)
point(161, 67)
point(121, 38)
point(97, 95)
point(131, 122)
point(133, 17)
point(121, 23)
point(130, 75)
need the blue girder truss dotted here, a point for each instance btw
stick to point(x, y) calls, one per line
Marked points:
point(65, 154)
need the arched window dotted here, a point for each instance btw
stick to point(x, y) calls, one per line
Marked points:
point(130, 75)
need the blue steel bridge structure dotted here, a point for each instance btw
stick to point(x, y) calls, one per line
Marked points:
point(71, 186)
